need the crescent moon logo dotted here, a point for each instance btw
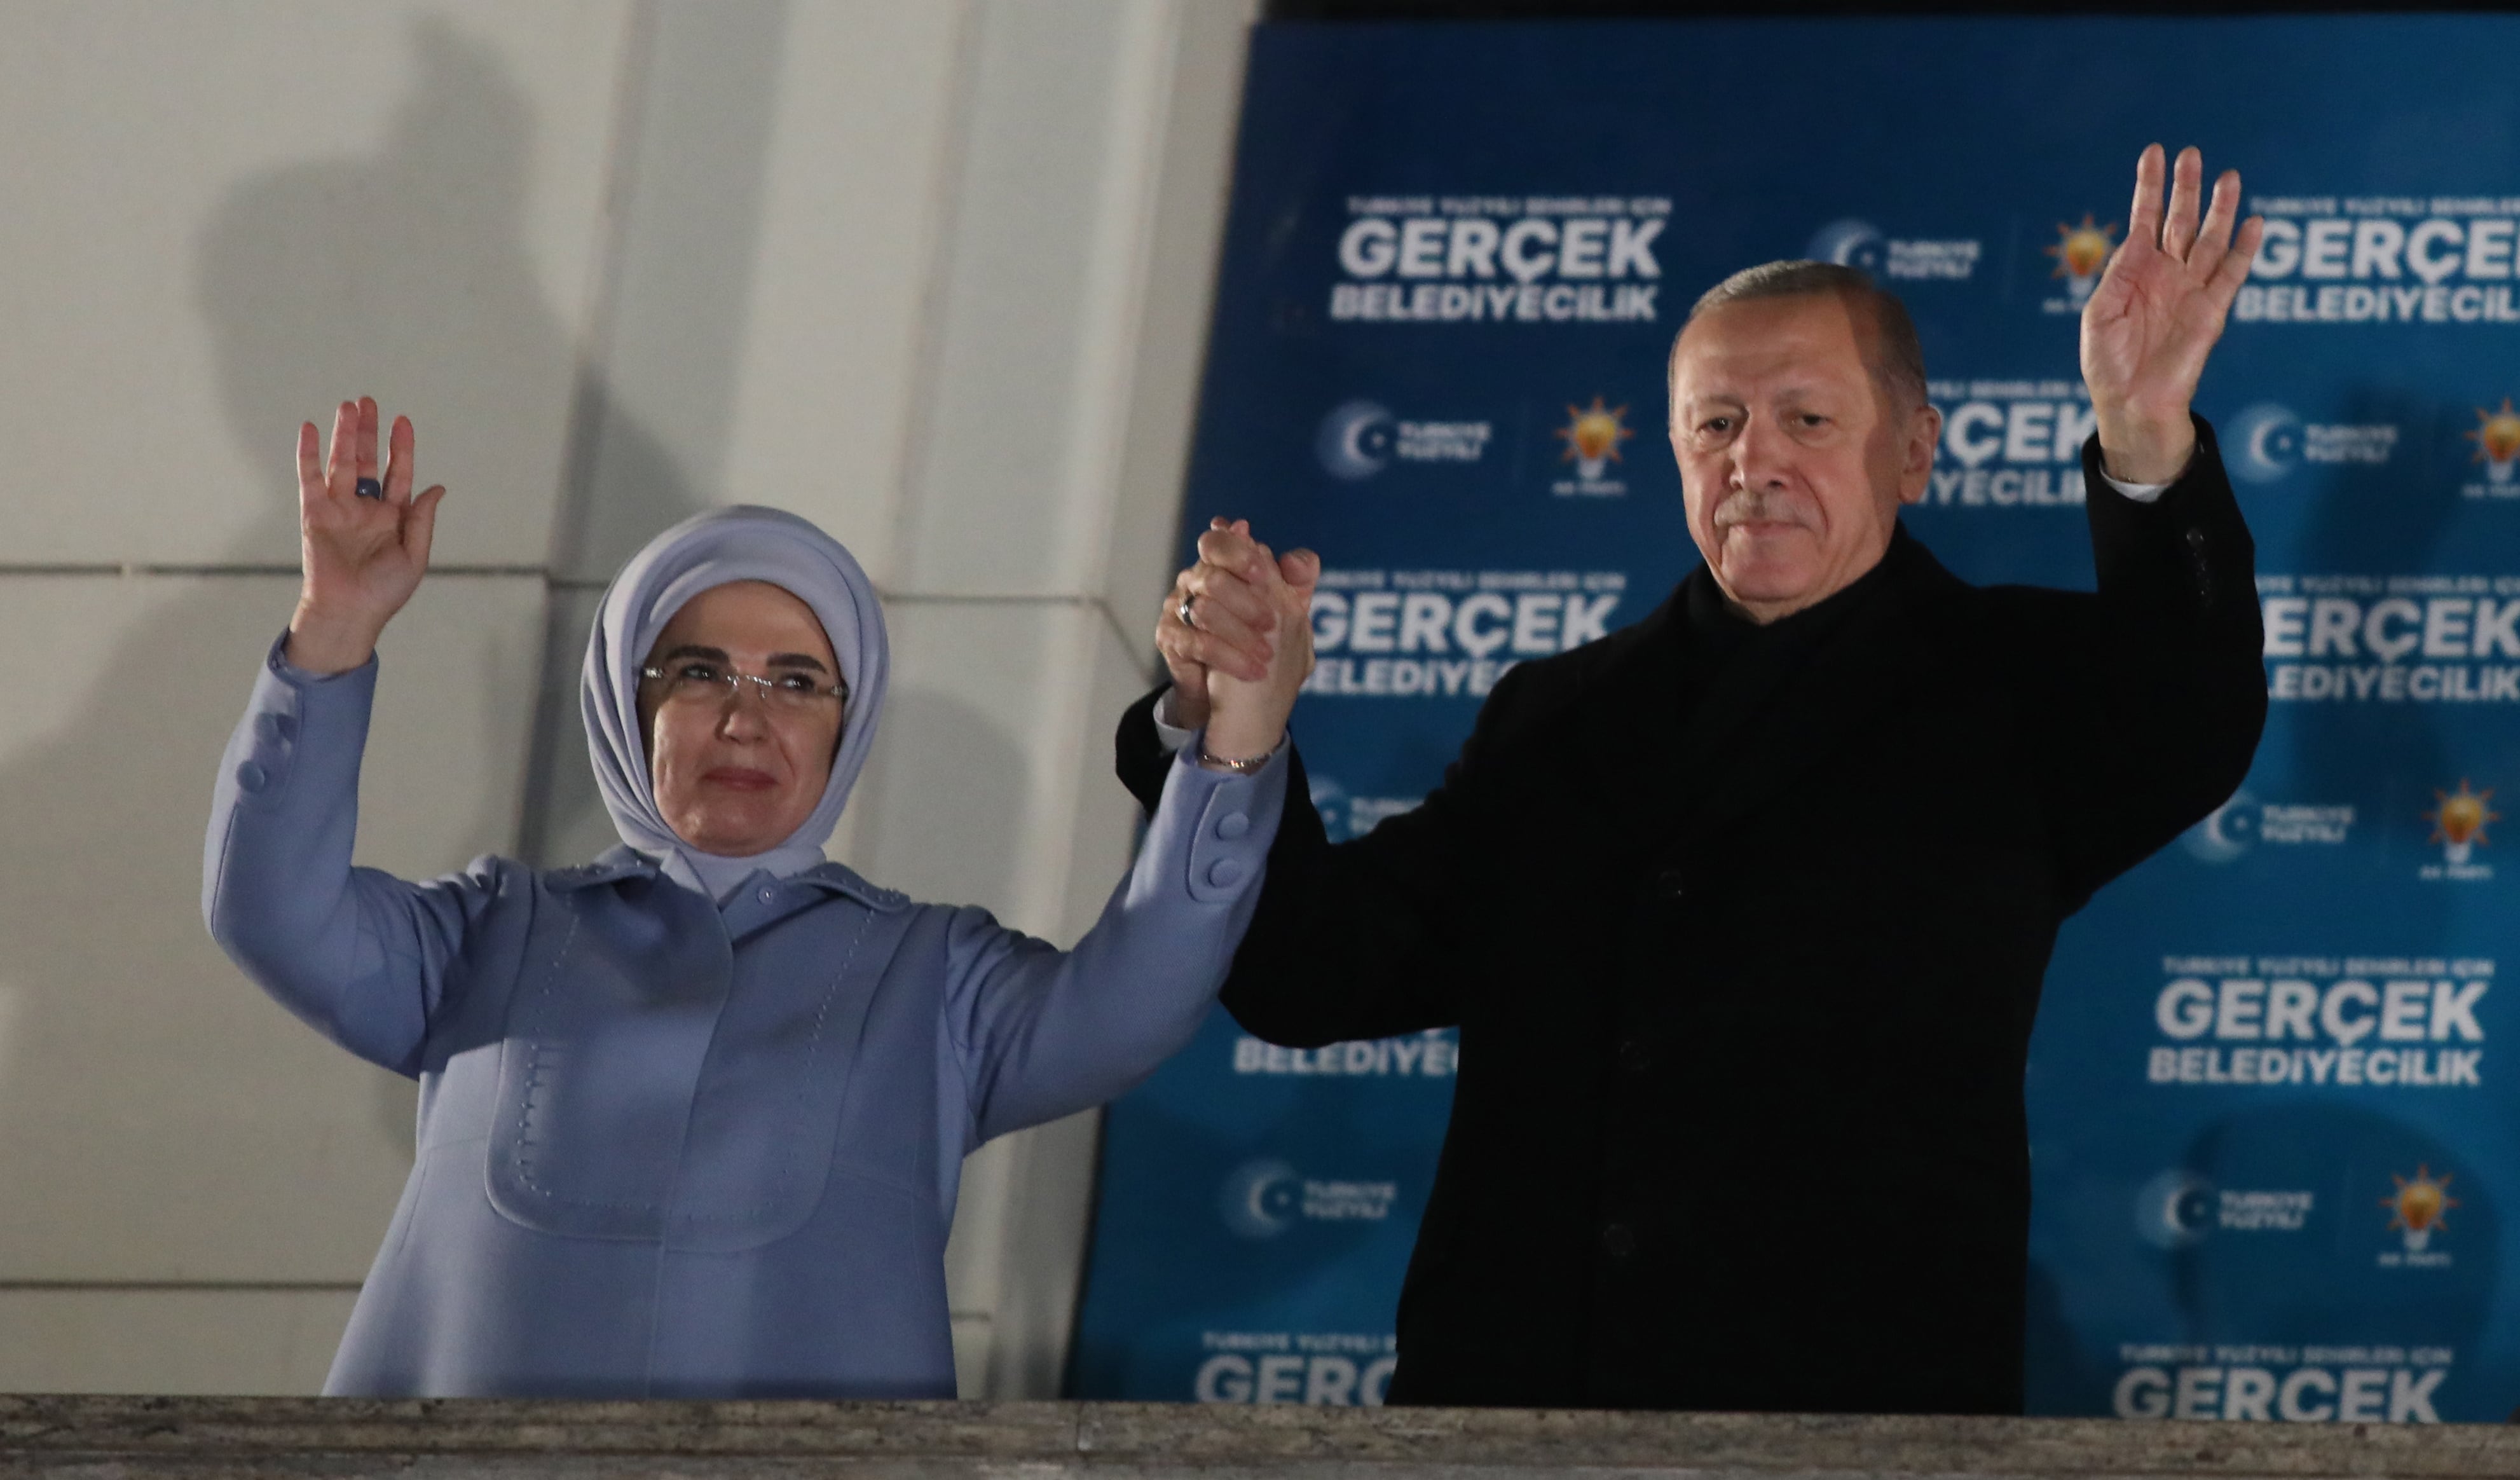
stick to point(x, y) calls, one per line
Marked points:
point(1259, 1198)
point(2227, 832)
point(2269, 439)
point(1848, 243)
point(2174, 1210)
point(1355, 440)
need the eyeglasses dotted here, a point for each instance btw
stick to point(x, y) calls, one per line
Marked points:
point(699, 682)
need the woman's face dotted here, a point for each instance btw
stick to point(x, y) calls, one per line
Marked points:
point(736, 772)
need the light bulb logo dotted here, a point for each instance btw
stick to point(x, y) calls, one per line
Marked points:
point(2416, 1207)
point(2498, 441)
point(1592, 434)
point(2459, 820)
point(2081, 251)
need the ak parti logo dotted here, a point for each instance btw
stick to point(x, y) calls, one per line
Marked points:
point(2459, 820)
point(2497, 437)
point(2416, 1207)
point(1592, 434)
point(2081, 252)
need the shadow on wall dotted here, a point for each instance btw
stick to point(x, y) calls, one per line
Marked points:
point(403, 274)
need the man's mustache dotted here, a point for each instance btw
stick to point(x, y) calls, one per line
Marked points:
point(1756, 506)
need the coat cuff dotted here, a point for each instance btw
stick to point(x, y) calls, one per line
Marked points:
point(1235, 819)
point(287, 704)
point(2096, 475)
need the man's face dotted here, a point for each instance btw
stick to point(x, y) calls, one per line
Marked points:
point(1792, 470)
point(736, 773)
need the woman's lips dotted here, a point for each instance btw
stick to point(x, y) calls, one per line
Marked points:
point(740, 778)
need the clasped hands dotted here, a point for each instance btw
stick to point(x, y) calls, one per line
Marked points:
point(1247, 648)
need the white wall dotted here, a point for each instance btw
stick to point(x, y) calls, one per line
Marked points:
point(932, 272)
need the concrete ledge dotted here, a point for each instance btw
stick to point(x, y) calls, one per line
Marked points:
point(345, 1439)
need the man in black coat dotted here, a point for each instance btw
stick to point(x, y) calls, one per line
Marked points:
point(1742, 911)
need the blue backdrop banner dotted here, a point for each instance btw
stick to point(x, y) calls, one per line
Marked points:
point(2271, 1133)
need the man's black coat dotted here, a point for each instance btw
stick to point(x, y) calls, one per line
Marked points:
point(1745, 969)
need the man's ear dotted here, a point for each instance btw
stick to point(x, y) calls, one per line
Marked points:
point(1917, 466)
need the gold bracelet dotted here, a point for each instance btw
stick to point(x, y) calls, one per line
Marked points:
point(1249, 767)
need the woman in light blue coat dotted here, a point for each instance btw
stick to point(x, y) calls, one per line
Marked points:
point(691, 1117)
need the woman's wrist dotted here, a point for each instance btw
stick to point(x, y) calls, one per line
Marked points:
point(327, 645)
point(1216, 754)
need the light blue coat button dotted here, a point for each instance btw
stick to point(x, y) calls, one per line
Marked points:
point(1233, 825)
point(275, 728)
point(1225, 874)
point(251, 778)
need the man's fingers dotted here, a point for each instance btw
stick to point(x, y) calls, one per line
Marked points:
point(1233, 547)
point(1215, 629)
point(1300, 568)
point(1190, 687)
point(1223, 590)
point(2186, 197)
point(1222, 538)
point(1251, 629)
point(398, 462)
point(2144, 218)
point(2233, 269)
point(2214, 237)
point(1191, 645)
point(1232, 550)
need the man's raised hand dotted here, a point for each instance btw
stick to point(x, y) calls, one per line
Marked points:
point(2158, 310)
point(362, 556)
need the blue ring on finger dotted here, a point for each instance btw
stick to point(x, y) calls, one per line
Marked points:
point(369, 488)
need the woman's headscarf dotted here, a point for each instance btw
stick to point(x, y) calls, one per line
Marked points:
point(741, 542)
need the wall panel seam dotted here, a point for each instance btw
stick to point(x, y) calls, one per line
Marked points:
point(134, 569)
point(944, 207)
point(181, 1287)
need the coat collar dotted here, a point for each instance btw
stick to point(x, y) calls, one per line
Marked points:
point(624, 862)
point(1684, 774)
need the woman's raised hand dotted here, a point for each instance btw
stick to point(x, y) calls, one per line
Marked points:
point(363, 552)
